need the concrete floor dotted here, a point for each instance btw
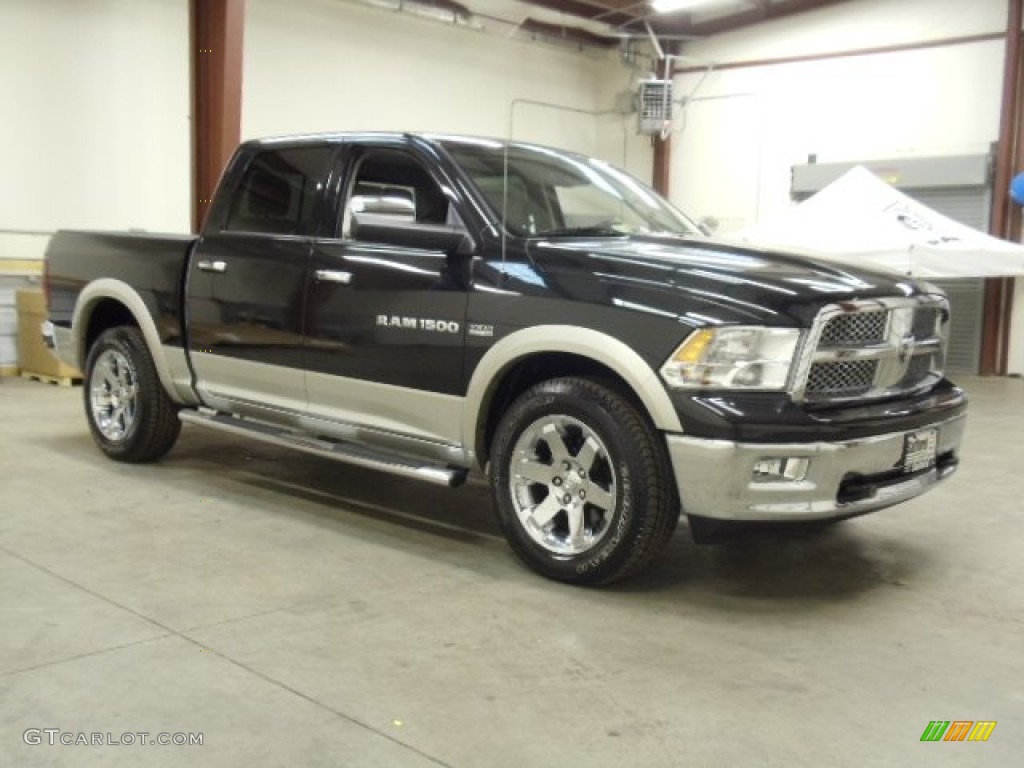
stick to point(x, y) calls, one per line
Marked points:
point(298, 612)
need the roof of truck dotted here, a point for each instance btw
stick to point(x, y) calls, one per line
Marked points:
point(340, 137)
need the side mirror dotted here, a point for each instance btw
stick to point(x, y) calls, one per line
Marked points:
point(387, 230)
point(394, 206)
point(708, 225)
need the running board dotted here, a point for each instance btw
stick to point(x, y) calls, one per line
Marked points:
point(348, 453)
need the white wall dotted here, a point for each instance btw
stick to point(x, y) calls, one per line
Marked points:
point(96, 98)
point(329, 65)
point(748, 126)
point(95, 117)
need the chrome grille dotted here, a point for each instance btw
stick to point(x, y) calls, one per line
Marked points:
point(918, 370)
point(844, 379)
point(874, 349)
point(925, 320)
point(854, 328)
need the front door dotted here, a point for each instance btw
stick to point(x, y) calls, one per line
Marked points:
point(385, 325)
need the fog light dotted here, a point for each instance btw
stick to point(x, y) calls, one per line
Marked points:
point(784, 469)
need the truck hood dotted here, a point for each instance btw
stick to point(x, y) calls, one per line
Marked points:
point(704, 281)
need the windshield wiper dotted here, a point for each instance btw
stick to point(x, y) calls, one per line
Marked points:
point(596, 230)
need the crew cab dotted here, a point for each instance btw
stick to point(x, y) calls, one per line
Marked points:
point(431, 306)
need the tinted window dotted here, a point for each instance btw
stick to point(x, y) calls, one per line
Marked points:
point(541, 191)
point(278, 192)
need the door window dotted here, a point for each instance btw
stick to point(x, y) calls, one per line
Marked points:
point(279, 191)
point(392, 183)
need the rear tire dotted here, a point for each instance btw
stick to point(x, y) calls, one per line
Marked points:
point(581, 482)
point(130, 415)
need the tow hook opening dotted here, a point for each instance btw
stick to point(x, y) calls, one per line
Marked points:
point(946, 462)
point(857, 487)
point(854, 488)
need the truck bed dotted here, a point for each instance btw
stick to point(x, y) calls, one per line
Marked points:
point(152, 264)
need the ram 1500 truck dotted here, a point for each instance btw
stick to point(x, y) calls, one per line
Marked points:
point(428, 305)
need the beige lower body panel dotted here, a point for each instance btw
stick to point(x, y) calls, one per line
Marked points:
point(398, 418)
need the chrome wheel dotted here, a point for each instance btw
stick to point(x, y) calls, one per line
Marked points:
point(113, 395)
point(563, 485)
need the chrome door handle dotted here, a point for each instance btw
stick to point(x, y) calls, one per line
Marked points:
point(212, 266)
point(333, 276)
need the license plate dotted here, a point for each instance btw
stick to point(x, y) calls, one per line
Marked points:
point(919, 450)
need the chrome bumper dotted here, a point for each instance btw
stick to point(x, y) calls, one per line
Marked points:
point(62, 342)
point(715, 477)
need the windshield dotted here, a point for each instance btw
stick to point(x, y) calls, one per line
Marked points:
point(551, 193)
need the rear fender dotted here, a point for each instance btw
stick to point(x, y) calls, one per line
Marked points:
point(170, 362)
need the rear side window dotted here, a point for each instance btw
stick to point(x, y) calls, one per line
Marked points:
point(279, 191)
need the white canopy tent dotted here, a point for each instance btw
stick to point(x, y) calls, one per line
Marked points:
point(859, 219)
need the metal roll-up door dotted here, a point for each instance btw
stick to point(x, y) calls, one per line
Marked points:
point(957, 187)
point(970, 206)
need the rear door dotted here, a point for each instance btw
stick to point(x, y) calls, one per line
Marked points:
point(385, 325)
point(247, 283)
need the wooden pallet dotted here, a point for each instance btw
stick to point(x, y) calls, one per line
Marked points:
point(60, 381)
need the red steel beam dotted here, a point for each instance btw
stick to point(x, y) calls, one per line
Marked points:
point(1005, 223)
point(571, 34)
point(662, 165)
point(1009, 118)
point(586, 10)
point(943, 42)
point(733, 21)
point(629, 13)
point(216, 28)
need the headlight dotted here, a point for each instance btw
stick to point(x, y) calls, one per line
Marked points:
point(733, 357)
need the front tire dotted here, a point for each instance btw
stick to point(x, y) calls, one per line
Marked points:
point(581, 482)
point(130, 415)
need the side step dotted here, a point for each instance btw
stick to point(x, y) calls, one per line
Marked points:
point(348, 453)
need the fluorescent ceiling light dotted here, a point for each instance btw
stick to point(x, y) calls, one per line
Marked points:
point(671, 6)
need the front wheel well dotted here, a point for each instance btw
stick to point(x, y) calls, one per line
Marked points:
point(526, 372)
point(106, 314)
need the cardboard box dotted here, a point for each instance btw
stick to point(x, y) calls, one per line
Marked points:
point(33, 354)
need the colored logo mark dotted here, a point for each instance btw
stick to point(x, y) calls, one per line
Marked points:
point(958, 730)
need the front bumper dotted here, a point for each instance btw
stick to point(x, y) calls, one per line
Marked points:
point(715, 478)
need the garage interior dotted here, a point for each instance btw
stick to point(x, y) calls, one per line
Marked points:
point(297, 611)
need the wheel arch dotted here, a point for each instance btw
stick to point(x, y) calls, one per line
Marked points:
point(107, 303)
point(534, 354)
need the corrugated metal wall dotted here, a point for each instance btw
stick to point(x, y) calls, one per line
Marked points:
point(10, 284)
point(970, 206)
point(8, 325)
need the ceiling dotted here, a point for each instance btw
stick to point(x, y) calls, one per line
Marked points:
point(626, 18)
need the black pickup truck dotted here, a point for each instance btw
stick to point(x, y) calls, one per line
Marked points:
point(429, 305)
